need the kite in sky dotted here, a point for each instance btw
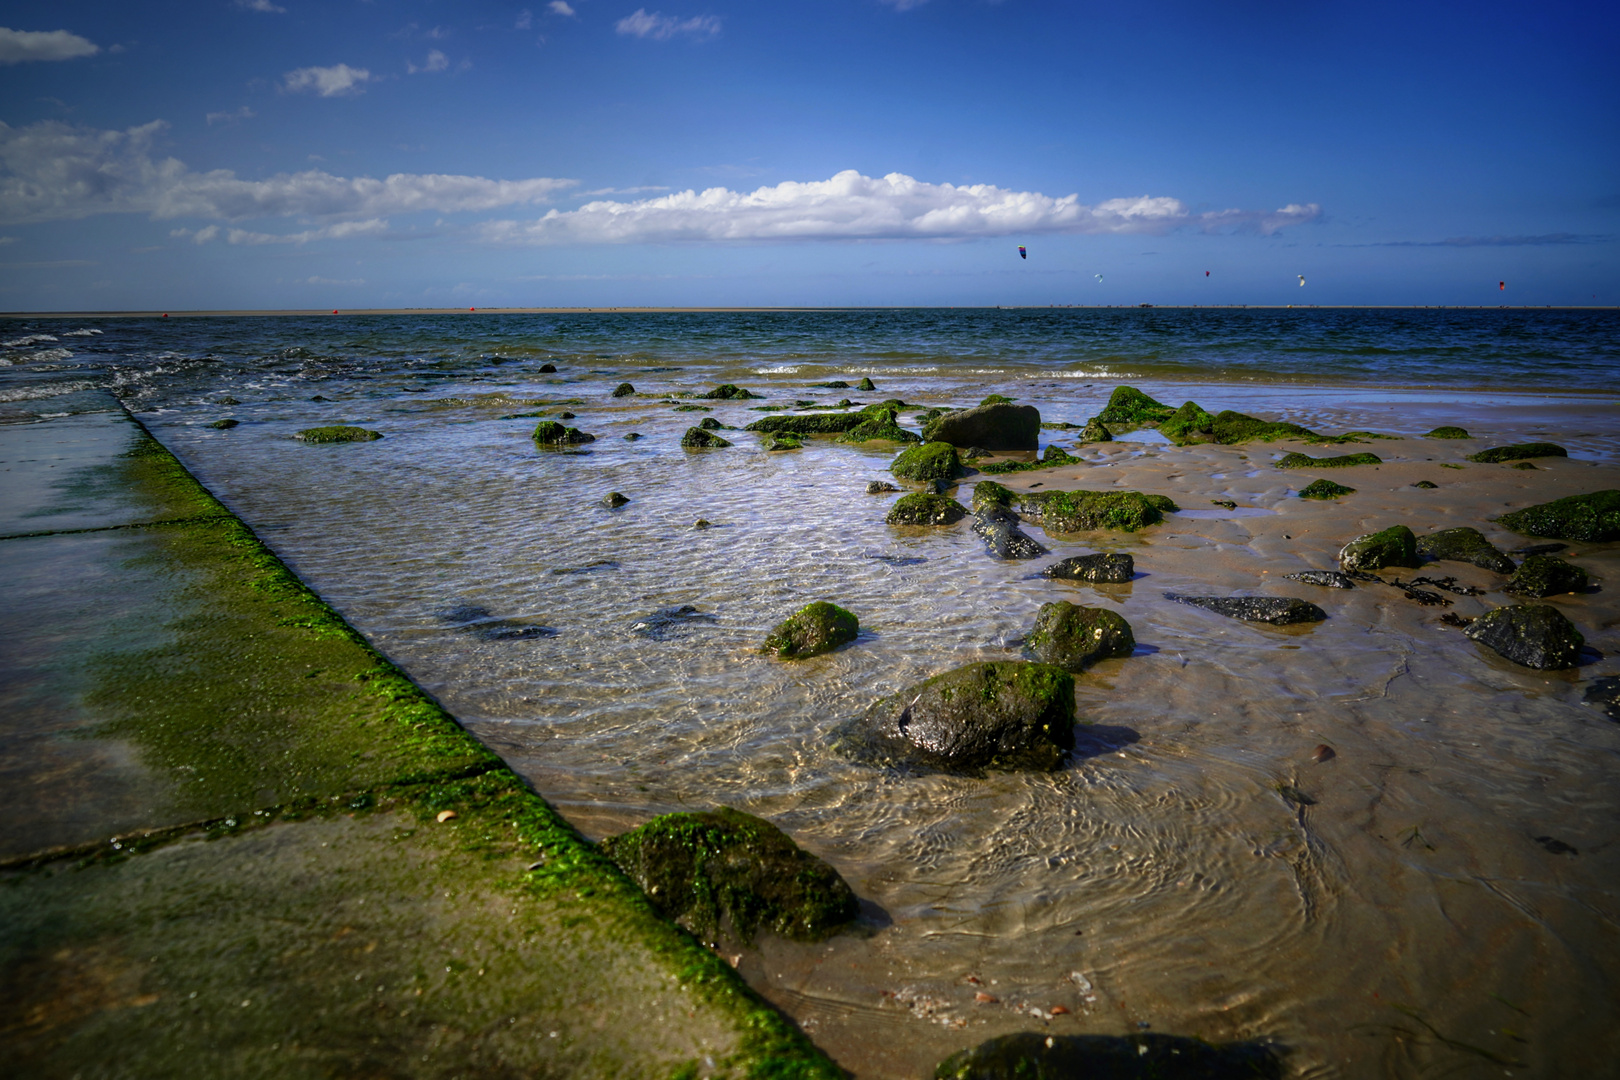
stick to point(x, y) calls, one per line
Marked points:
point(1099, 277)
point(1206, 273)
point(1022, 254)
point(1501, 286)
point(1302, 280)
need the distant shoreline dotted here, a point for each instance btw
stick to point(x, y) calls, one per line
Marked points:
point(309, 312)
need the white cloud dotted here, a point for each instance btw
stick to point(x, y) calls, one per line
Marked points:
point(261, 5)
point(51, 171)
point(854, 207)
point(525, 20)
point(327, 81)
point(662, 27)
point(244, 113)
point(560, 7)
point(318, 280)
point(244, 237)
point(436, 61)
point(21, 46)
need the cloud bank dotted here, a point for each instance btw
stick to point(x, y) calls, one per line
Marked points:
point(661, 27)
point(850, 206)
point(22, 46)
point(51, 171)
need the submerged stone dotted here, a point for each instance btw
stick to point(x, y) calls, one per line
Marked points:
point(698, 439)
point(613, 500)
point(923, 508)
point(997, 426)
point(879, 425)
point(727, 873)
point(1073, 637)
point(1532, 635)
point(1305, 461)
point(1427, 485)
point(1330, 579)
point(878, 487)
point(1394, 546)
point(866, 385)
point(1276, 610)
point(671, 622)
point(624, 389)
point(836, 384)
point(1605, 692)
point(1004, 715)
point(338, 433)
point(1447, 432)
point(1593, 517)
point(1051, 456)
point(729, 392)
point(551, 433)
point(1548, 575)
point(812, 630)
point(1109, 568)
point(1324, 489)
point(814, 424)
point(548, 369)
point(1033, 1055)
point(1000, 532)
point(785, 441)
point(633, 436)
point(480, 623)
point(930, 461)
point(1464, 544)
point(1518, 452)
point(226, 424)
point(1128, 405)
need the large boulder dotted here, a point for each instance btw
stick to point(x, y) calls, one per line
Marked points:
point(923, 508)
point(1518, 452)
point(1189, 424)
point(995, 427)
point(1534, 635)
point(1073, 637)
point(1593, 517)
point(697, 438)
point(812, 630)
point(930, 461)
point(1276, 610)
point(727, 873)
point(1548, 575)
point(1394, 546)
point(1110, 568)
point(1032, 1055)
point(1464, 544)
point(999, 714)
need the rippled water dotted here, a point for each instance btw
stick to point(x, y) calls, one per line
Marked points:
point(1401, 919)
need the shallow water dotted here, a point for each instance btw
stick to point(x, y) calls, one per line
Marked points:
point(1404, 921)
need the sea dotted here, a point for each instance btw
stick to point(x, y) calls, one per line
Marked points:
point(1405, 916)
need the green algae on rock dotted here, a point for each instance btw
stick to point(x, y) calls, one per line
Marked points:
point(1188, 424)
point(930, 461)
point(226, 424)
point(1394, 546)
point(924, 508)
point(1305, 461)
point(879, 424)
point(997, 399)
point(1532, 635)
point(866, 385)
point(1548, 575)
point(813, 424)
point(697, 438)
point(1032, 1055)
point(1094, 431)
point(727, 874)
point(613, 500)
point(1128, 405)
point(1593, 517)
point(729, 392)
point(1077, 511)
point(551, 433)
point(1426, 485)
point(338, 433)
point(1073, 637)
point(1110, 567)
point(1324, 489)
point(691, 408)
point(784, 441)
point(624, 389)
point(1447, 432)
point(812, 630)
point(1464, 544)
point(1518, 452)
point(1053, 455)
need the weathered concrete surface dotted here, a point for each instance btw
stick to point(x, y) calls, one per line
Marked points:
point(220, 852)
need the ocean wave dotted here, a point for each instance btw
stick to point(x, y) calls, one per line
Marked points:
point(780, 369)
point(81, 333)
point(45, 390)
point(24, 342)
point(47, 355)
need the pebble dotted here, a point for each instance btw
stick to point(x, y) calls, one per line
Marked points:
point(1322, 753)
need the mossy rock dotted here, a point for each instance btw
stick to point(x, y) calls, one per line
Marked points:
point(997, 426)
point(1054, 455)
point(1128, 405)
point(1394, 546)
point(730, 392)
point(613, 500)
point(784, 441)
point(1324, 489)
point(1426, 485)
point(1594, 517)
point(1094, 431)
point(1464, 544)
point(1305, 461)
point(226, 424)
point(812, 630)
point(1073, 637)
point(624, 389)
point(1447, 432)
point(814, 424)
point(547, 369)
point(691, 408)
point(1518, 452)
point(929, 461)
point(996, 399)
point(551, 433)
point(709, 423)
point(1034, 1055)
point(836, 384)
point(866, 385)
point(1189, 424)
point(879, 425)
point(1083, 511)
point(1548, 575)
point(1111, 567)
point(1229, 428)
point(698, 439)
point(1003, 715)
point(1532, 635)
point(337, 433)
point(924, 508)
point(725, 873)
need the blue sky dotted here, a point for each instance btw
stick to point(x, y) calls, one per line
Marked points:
point(278, 153)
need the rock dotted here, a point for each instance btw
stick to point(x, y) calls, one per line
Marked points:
point(1605, 692)
point(1073, 637)
point(1448, 433)
point(613, 500)
point(973, 453)
point(338, 433)
point(1522, 465)
point(1230, 427)
point(878, 487)
point(727, 873)
point(709, 423)
point(1548, 575)
point(879, 425)
point(551, 433)
point(1330, 579)
point(1464, 544)
point(697, 439)
point(1324, 489)
point(1518, 452)
point(930, 461)
point(1128, 405)
point(1394, 546)
point(691, 408)
point(1004, 715)
point(227, 400)
point(1594, 517)
point(1305, 461)
point(1000, 531)
point(1427, 485)
point(867, 385)
point(1029, 1055)
point(702, 523)
point(812, 630)
point(478, 622)
point(997, 399)
point(1052, 455)
point(1276, 610)
point(784, 441)
point(226, 424)
point(1539, 549)
point(624, 389)
point(1533, 635)
point(1077, 511)
point(994, 427)
point(1109, 568)
point(565, 415)
point(935, 487)
point(548, 369)
point(836, 384)
point(921, 508)
point(729, 392)
point(670, 622)
point(1094, 431)
point(633, 436)
point(814, 424)
point(1225, 504)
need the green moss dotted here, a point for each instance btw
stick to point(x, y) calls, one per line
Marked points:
point(1083, 511)
point(784, 441)
point(812, 630)
point(1095, 431)
point(1324, 489)
point(930, 461)
point(1128, 405)
point(1518, 452)
point(551, 433)
point(624, 389)
point(1447, 433)
point(1305, 461)
point(1055, 455)
point(1230, 427)
point(1189, 424)
point(729, 392)
point(338, 433)
point(226, 424)
point(879, 424)
point(1394, 546)
point(697, 438)
point(1594, 517)
point(691, 408)
point(1548, 575)
point(1073, 637)
point(922, 508)
point(997, 399)
point(1427, 485)
point(814, 424)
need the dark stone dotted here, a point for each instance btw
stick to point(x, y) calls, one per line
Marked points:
point(1540, 549)
point(1518, 452)
point(548, 369)
point(729, 392)
point(1448, 433)
point(613, 500)
point(551, 433)
point(478, 622)
point(633, 436)
point(1002, 715)
point(1034, 1055)
point(994, 427)
point(691, 408)
point(225, 424)
point(878, 487)
point(1394, 546)
point(697, 439)
point(565, 415)
point(812, 630)
point(1548, 575)
point(930, 461)
point(866, 384)
point(1305, 461)
point(1073, 637)
point(1522, 465)
point(1113, 569)
point(1276, 610)
point(935, 487)
point(1464, 544)
point(338, 433)
point(1427, 485)
point(1128, 405)
point(814, 424)
point(836, 384)
point(1094, 431)
point(1605, 692)
point(922, 508)
point(1593, 517)
point(1000, 532)
point(228, 400)
point(624, 389)
point(1324, 489)
point(709, 423)
point(728, 874)
point(1228, 504)
point(1331, 579)
point(1534, 635)
point(671, 622)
